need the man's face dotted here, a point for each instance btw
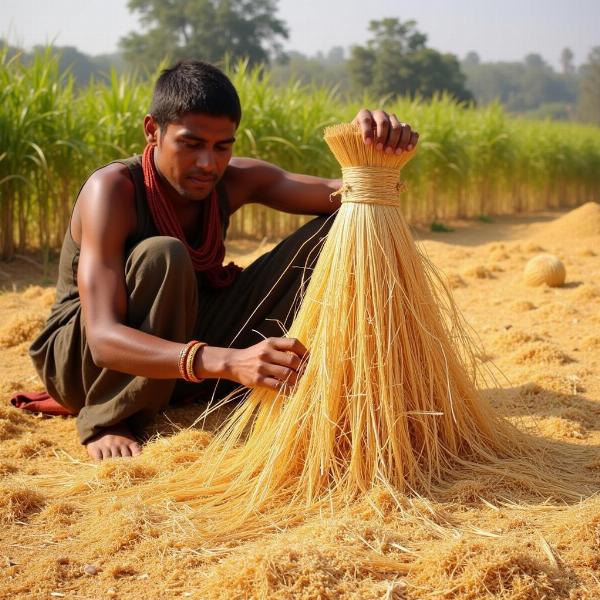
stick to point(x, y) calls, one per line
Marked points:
point(193, 153)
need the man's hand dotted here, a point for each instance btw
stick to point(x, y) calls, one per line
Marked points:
point(272, 363)
point(386, 131)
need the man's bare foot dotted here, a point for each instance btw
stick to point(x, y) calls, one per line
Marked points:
point(112, 442)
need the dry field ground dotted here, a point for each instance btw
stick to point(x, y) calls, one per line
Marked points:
point(544, 341)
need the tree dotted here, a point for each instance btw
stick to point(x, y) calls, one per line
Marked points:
point(204, 29)
point(80, 65)
point(535, 61)
point(396, 61)
point(526, 86)
point(335, 56)
point(438, 72)
point(471, 59)
point(324, 69)
point(589, 100)
point(566, 61)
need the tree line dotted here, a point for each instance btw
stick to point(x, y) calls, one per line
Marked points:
point(395, 61)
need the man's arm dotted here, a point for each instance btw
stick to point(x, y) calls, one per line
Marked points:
point(256, 181)
point(106, 216)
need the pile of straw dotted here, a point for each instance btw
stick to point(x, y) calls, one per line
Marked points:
point(387, 398)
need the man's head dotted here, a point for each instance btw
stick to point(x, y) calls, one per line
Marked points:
point(194, 114)
point(193, 86)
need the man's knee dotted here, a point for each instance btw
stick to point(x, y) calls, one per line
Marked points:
point(161, 249)
point(160, 255)
point(159, 272)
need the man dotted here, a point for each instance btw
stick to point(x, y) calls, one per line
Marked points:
point(141, 271)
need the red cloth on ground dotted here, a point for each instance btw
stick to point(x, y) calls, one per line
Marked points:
point(39, 402)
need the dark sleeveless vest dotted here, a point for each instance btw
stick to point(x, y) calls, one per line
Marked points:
point(67, 293)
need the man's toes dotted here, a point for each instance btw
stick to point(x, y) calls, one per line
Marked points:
point(94, 453)
point(135, 449)
point(115, 451)
point(124, 450)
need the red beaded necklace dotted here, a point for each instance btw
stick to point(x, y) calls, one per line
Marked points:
point(208, 257)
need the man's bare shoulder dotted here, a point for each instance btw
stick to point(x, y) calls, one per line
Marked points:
point(113, 178)
point(109, 192)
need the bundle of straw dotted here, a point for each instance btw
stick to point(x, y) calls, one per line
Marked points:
point(387, 397)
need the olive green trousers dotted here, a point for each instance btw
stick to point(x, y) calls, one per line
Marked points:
point(167, 299)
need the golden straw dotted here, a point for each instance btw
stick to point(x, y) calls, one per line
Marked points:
point(387, 398)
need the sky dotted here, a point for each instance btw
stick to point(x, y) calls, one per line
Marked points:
point(495, 29)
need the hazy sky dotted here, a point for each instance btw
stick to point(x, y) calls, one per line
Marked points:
point(496, 29)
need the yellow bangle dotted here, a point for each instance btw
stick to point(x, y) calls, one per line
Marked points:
point(189, 367)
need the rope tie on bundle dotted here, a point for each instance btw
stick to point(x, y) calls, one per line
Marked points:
point(370, 185)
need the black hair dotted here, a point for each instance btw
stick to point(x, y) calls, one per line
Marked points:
point(193, 86)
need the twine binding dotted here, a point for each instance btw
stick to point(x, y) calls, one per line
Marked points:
point(370, 185)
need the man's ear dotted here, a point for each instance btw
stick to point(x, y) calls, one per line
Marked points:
point(151, 130)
